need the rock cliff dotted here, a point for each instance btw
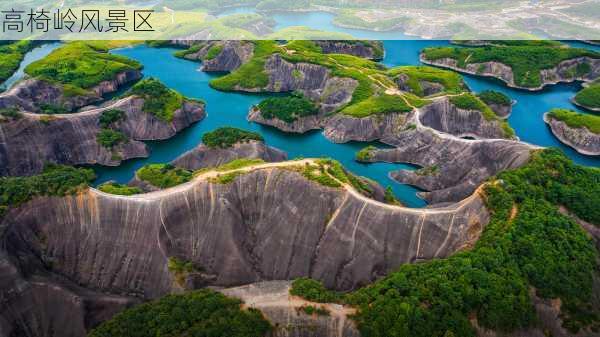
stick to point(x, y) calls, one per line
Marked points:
point(203, 156)
point(366, 49)
point(26, 144)
point(581, 139)
point(31, 94)
point(270, 223)
point(565, 71)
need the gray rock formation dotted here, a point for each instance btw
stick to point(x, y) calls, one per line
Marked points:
point(314, 81)
point(300, 125)
point(32, 93)
point(26, 144)
point(285, 311)
point(366, 49)
point(268, 224)
point(443, 116)
point(565, 71)
point(581, 139)
point(232, 55)
point(452, 167)
point(501, 110)
point(202, 156)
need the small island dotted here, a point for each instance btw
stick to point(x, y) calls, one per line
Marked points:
point(577, 130)
point(589, 97)
point(528, 65)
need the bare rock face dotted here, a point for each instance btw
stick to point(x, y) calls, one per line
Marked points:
point(30, 94)
point(203, 156)
point(28, 143)
point(285, 311)
point(452, 167)
point(565, 71)
point(366, 49)
point(231, 57)
point(270, 223)
point(581, 139)
point(501, 110)
point(341, 128)
point(300, 125)
point(443, 116)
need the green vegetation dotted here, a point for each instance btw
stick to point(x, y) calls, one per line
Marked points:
point(10, 114)
point(390, 198)
point(163, 175)
point(377, 105)
point(225, 178)
point(469, 101)
point(225, 137)
point(452, 82)
point(365, 154)
point(494, 97)
point(119, 189)
point(110, 117)
point(80, 66)
point(195, 313)
point(528, 244)
point(239, 163)
point(181, 269)
point(252, 73)
point(318, 174)
point(213, 52)
point(525, 60)
point(589, 97)
point(185, 52)
point(51, 109)
point(314, 310)
point(11, 55)
point(55, 180)
point(576, 120)
point(158, 99)
point(347, 18)
point(110, 138)
point(287, 109)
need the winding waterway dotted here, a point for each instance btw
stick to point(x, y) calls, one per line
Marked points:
point(230, 109)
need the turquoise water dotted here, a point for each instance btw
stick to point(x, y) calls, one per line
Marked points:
point(34, 55)
point(230, 109)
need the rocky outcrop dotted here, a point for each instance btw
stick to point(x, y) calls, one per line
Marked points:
point(581, 139)
point(443, 116)
point(366, 49)
point(33, 93)
point(285, 311)
point(501, 110)
point(341, 128)
point(565, 71)
point(28, 143)
point(270, 223)
point(231, 56)
point(203, 156)
point(428, 88)
point(452, 167)
point(314, 81)
point(300, 125)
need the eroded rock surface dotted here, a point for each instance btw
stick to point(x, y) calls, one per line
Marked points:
point(28, 143)
point(203, 156)
point(33, 93)
point(366, 49)
point(565, 71)
point(581, 139)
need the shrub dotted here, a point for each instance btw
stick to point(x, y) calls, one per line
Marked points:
point(55, 180)
point(110, 138)
point(10, 113)
point(110, 117)
point(225, 137)
point(377, 105)
point(158, 99)
point(287, 109)
point(195, 313)
point(366, 154)
point(213, 52)
point(163, 175)
point(119, 189)
point(494, 97)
